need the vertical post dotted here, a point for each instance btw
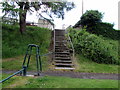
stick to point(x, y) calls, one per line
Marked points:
point(25, 56)
point(29, 56)
point(24, 71)
point(54, 45)
point(39, 58)
point(37, 61)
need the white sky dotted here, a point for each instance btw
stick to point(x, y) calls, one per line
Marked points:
point(108, 7)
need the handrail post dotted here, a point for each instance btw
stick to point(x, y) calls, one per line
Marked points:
point(24, 71)
point(54, 45)
point(71, 44)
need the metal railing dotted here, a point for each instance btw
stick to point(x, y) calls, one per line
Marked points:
point(20, 71)
point(54, 46)
point(25, 64)
point(70, 41)
point(28, 55)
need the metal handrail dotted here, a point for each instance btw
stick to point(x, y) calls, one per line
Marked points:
point(69, 39)
point(54, 44)
point(20, 71)
point(24, 67)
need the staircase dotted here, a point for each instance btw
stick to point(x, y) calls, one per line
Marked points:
point(62, 55)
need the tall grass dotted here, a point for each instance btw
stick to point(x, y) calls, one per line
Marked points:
point(96, 48)
point(14, 44)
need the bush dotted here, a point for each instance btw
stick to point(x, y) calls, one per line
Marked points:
point(14, 44)
point(89, 18)
point(104, 29)
point(98, 49)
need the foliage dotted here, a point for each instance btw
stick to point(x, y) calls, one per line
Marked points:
point(90, 18)
point(57, 8)
point(93, 23)
point(104, 29)
point(20, 9)
point(57, 82)
point(14, 44)
point(98, 49)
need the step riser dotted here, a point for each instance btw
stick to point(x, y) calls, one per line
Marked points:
point(61, 56)
point(61, 50)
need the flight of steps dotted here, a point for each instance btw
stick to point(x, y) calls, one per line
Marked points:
point(62, 56)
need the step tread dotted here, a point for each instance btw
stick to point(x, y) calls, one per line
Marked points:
point(63, 61)
point(62, 52)
point(67, 68)
point(62, 58)
point(66, 64)
point(61, 41)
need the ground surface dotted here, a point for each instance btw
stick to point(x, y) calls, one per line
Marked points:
point(57, 82)
point(73, 74)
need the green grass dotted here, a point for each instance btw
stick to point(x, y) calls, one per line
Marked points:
point(16, 63)
point(86, 65)
point(83, 65)
point(57, 82)
point(15, 44)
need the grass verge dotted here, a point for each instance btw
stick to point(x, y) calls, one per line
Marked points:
point(16, 63)
point(86, 65)
point(57, 82)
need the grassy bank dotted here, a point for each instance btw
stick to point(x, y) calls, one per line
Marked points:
point(86, 65)
point(15, 63)
point(14, 46)
point(57, 82)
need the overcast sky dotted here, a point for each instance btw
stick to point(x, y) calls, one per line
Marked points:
point(108, 7)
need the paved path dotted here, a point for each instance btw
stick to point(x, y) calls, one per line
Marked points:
point(74, 74)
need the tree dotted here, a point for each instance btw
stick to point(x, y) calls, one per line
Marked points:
point(20, 9)
point(90, 18)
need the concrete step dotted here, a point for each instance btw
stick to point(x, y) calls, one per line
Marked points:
point(65, 68)
point(60, 45)
point(62, 58)
point(63, 50)
point(59, 41)
point(59, 55)
point(62, 53)
point(63, 65)
point(63, 61)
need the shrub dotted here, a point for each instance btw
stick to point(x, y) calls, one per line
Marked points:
point(98, 49)
point(89, 18)
point(104, 29)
